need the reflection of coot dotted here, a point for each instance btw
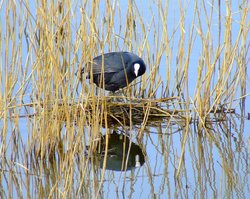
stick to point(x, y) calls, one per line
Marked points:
point(119, 69)
point(118, 148)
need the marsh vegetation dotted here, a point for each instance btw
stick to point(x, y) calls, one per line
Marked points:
point(187, 114)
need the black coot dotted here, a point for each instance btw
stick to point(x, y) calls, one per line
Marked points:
point(119, 69)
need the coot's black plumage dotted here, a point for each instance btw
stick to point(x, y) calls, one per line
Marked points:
point(119, 69)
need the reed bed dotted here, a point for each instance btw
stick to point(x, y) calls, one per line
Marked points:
point(190, 118)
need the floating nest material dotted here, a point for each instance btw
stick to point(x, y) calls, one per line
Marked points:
point(119, 111)
point(115, 111)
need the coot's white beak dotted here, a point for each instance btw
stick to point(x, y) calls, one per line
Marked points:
point(136, 67)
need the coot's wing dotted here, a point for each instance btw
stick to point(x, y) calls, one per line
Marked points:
point(113, 62)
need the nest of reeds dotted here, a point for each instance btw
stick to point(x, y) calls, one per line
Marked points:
point(116, 111)
point(119, 111)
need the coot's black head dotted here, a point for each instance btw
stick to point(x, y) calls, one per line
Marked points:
point(137, 68)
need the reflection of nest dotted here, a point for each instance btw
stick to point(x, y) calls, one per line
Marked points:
point(135, 112)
